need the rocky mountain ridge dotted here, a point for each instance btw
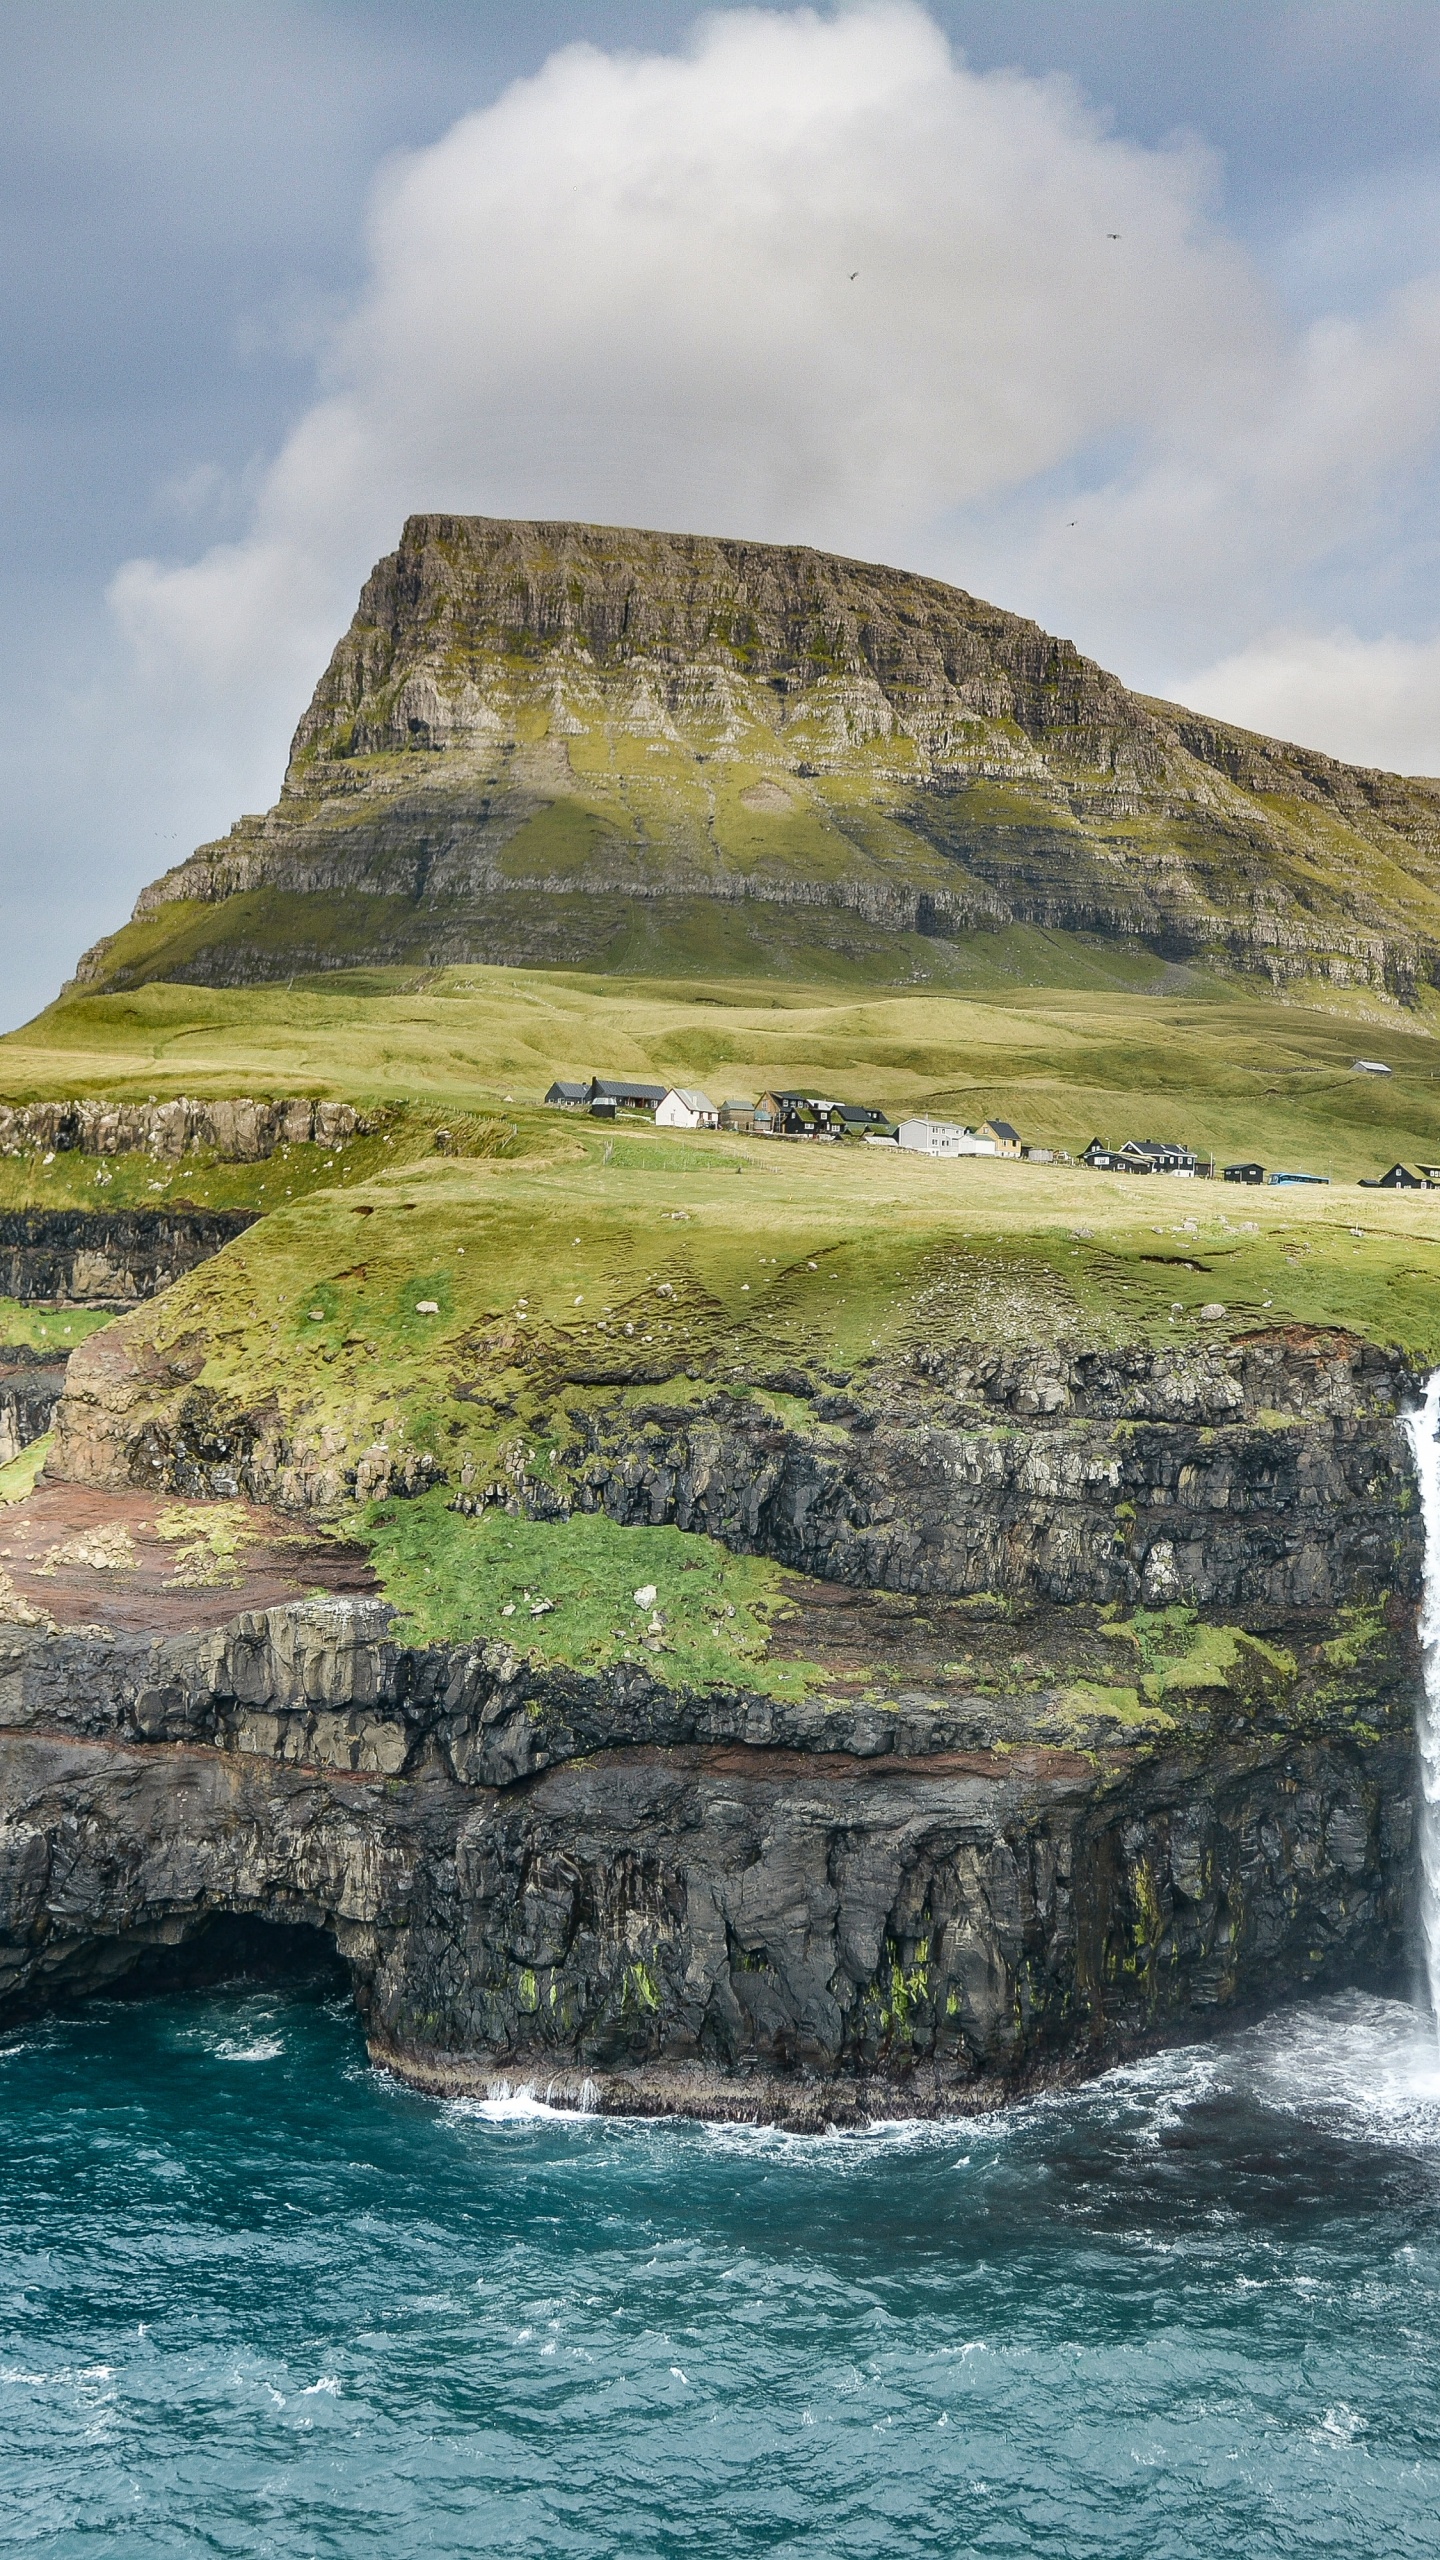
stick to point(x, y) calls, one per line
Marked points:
point(562, 744)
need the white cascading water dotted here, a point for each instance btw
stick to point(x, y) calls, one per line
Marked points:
point(1423, 1427)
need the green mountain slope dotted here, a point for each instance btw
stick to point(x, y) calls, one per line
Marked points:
point(555, 745)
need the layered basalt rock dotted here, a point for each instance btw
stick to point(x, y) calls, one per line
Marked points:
point(1109, 1737)
point(715, 1905)
point(1266, 1473)
point(560, 744)
point(108, 1257)
point(238, 1132)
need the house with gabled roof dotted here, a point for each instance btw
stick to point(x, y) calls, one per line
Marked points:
point(942, 1138)
point(684, 1107)
point(1004, 1139)
point(626, 1095)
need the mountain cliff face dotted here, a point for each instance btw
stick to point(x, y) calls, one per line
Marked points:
point(558, 744)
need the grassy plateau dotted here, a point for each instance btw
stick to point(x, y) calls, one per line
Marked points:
point(480, 1274)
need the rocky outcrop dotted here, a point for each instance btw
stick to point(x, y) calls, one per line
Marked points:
point(1261, 1473)
point(1118, 1743)
point(31, 1384)
point(538, 742)
point(108, 1256)
point(644, 1899)
point(241, 1132)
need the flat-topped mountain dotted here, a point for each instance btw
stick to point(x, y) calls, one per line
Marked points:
point(564, 745)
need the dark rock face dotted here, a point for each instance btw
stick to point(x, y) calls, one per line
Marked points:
point(1139, 1755)
point(1267, 1474)
point(719, 1905)
point(111, 1256)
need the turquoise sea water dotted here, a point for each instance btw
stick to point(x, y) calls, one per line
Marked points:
point(254, 2298)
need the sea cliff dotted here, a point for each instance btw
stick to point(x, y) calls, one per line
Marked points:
point(1110, 1738)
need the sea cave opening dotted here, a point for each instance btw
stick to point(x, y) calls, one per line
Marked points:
point(240, 1948)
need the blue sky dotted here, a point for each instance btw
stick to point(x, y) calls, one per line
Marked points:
point(274, 274)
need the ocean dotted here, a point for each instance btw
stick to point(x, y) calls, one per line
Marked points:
point(259, 2299)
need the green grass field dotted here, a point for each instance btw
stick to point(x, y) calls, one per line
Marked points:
point(47, 1328)
point(1229, 1070)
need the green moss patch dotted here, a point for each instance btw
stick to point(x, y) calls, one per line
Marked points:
point(48, 1328)
point(568, 1591)
point(18, 1479)
point(1178, 1653)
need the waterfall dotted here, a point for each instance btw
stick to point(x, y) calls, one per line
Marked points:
point(1424, 1430)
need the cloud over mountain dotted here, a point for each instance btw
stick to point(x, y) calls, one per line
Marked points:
point(813, 278)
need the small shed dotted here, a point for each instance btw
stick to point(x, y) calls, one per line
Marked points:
point(1244, 1173)
point(738, 1115)
point(685, 1108)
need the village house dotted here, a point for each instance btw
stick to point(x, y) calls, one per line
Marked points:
point(1165, 1156)
point(738, 1115)
point(1004, 1139)
point(609, 1094)
point(942, 1138)
point(789, 1114)
point(1103, 1159)
point(1142, 1155)
point(1405, 1177)
point(683, 1108)
point(862, 1120)
point(1244, 1173)
point(603, 1096)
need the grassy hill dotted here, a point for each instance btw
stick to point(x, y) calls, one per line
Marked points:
point(570, 746)
point(460, 1318)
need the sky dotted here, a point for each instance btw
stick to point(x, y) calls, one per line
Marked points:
point(1122, 313)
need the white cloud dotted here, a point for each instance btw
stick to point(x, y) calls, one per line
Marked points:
point(809, 279)
point(1373, 701)
point(1242, 494)
point(813, 279)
